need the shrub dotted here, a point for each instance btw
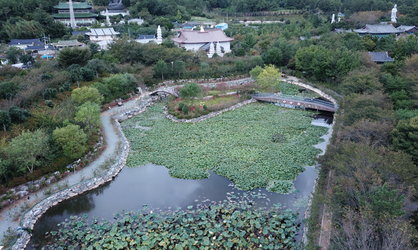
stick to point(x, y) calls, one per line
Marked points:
point(190, 90)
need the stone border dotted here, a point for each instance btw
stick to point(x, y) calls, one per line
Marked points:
point(31, 217)
point(30, 187)
point(208, 116)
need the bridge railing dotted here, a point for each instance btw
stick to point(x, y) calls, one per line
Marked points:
point(294, 98)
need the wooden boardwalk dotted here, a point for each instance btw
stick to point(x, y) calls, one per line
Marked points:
point(296, 101)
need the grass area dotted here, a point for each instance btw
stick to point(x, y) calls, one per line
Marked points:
point(256, 146)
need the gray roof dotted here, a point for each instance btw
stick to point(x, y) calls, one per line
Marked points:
point(102, 32)
point(140, 37)
point(378, 29)
point(207, 36)
point(32, 42)
point(380, 57)
point(68, 43)
point(405, 28)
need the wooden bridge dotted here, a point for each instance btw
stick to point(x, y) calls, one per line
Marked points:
point(296, 101)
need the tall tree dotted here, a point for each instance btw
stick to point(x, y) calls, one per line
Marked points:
point(28, 149)
point(72, 140)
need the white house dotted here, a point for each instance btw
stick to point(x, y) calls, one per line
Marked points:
point(195, 40)
point(103, 36)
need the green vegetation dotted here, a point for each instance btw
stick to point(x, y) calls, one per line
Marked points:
point(72, 139)
point(268, 78)
point(236, 144)
point(190, 91)
point(233, 224)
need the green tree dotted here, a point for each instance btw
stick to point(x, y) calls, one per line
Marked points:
point(405, 137)
point(385, 201)
point(117, 86)
point(28, 149)
point(405, 47)
point(8, 90)
point(86, 94)
point(190, 91)
point(5, 120)
point(361, 81)
point(269, 78)
point(70, 56)
point(326, 64)
point(179, 67)
point(88, 115)
point(72, 140)
point(161, 69)
point(26, 59)
point(18, 115)
point(255, 72)
point(23, 29)
point(13, 54)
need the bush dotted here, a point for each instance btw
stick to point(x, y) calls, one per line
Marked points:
point(116, 86)
point(86, 94)
point(18, 115)
point(190, 91)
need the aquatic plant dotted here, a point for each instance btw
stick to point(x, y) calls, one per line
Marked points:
point(234, 223)
point(237, 144)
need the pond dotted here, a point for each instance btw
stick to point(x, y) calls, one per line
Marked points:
point(152, 185)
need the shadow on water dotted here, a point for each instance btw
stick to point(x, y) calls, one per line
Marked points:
point(153, 186)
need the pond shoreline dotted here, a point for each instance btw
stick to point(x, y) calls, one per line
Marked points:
point(36, 212)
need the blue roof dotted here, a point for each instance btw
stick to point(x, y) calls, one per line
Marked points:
point(380, 57)
point(140, 37)
point(25, 42)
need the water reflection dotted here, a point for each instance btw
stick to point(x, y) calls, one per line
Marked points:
point(152, 185)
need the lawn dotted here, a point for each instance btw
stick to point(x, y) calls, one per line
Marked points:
point(256, 146)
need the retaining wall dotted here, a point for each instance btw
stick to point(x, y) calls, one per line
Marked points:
point(30, 218)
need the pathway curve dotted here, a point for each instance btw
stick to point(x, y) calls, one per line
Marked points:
point(112, 139)
point(9, 216)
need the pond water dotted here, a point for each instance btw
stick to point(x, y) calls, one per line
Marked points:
point(153, 186)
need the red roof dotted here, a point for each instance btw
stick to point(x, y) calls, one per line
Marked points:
point(207, 36)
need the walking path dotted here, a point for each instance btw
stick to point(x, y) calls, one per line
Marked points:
point(10, 216)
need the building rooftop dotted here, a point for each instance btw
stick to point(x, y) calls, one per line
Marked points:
point(380, 57)
point(79, 33)
point(207, 36)
point(102, 32)
point(76, 15)
point(25, 42)
point(406, 28)
point(68, 43)
point(76, 5)
point(378, 29)
point(39, 47)
point(146, 37)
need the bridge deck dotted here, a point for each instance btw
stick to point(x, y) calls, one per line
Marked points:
point(296, 101)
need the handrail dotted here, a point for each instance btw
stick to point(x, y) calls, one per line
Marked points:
point(296, 98)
